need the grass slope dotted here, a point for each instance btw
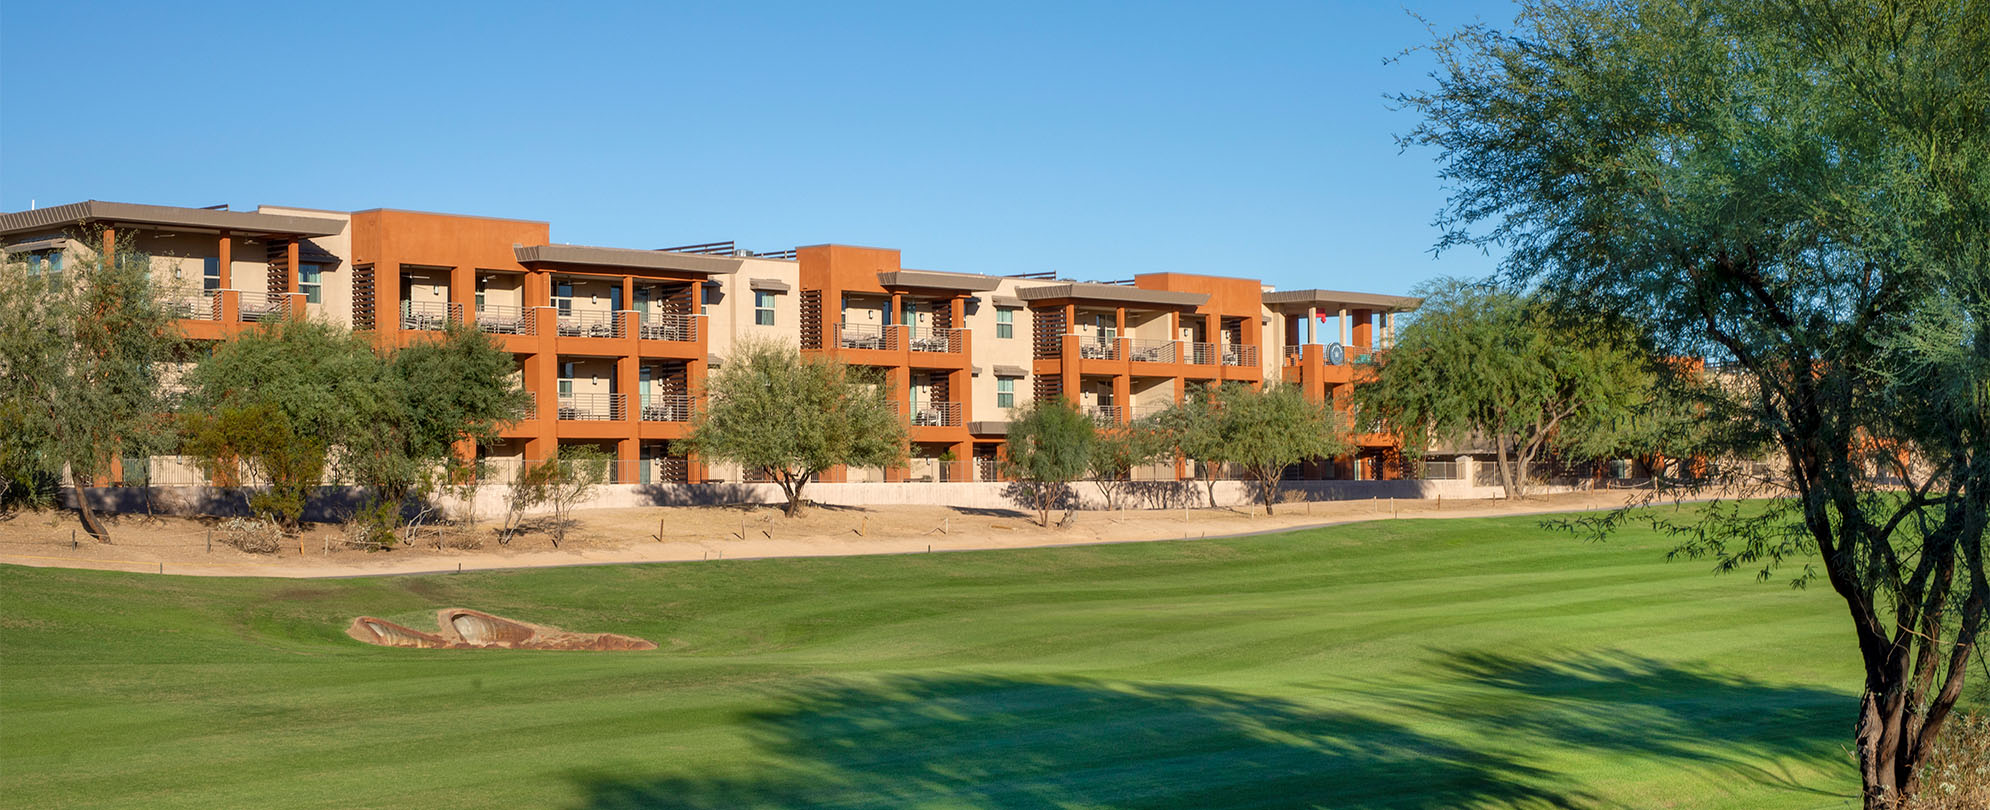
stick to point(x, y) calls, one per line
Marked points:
point(1410, 664)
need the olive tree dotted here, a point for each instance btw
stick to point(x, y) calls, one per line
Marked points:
point(81, 342)
point(772, 409)
point(1800, 190)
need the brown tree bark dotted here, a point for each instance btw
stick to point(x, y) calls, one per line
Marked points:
point(92, 525)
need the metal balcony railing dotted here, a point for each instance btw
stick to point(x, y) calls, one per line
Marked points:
point(500, 319)
point(593, 407)
point(259, 306)
point(936, 414)
point(1363, 355)
point(1153, 351)
point(927, 339)
point(192, 305)
point(666, 408)
point(864, 336)
point(1293, 353)
point(431, 316)
point(1240, 355)
point(1097, 347)
point(1202, 354)
point(667, 326)
point(529, 409)
point(1105, 414)
point(590, 323)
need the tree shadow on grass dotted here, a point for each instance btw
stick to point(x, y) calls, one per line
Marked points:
point(1008, 743)
point(1633, 706)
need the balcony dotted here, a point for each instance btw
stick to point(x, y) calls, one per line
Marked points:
point(1293, 354)
point(192, 306)
point(593, 407)
point(1235, 354)
point(1201, 354)
point(589, 323)
point(663, 326)
point(429, 316)
point(529, 409)
point(939, 341)
point(936, 414)
point(1097, 347)
point(1153, 351)
point(667, 408)
point(504, 320)
point(259, 306)
point(1105, 414)
point(864, 336)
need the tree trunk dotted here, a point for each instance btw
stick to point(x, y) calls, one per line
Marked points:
point(91, 524)
point(1269, 486)
point(1503, 462)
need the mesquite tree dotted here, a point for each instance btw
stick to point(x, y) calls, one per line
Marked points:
point(1800, 190)
point(1049, 445)
point(1477, 362)
point(1265, 431)
point(771, 409)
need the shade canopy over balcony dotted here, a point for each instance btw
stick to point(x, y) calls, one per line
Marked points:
point(239, 223)
point(627, 259)
point(1299, 301)
point(937, 280)
point(1086, 292)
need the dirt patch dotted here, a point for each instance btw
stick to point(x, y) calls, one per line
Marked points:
point(462, 629)
point(171, 545)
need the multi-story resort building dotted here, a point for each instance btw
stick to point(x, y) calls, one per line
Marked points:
point(614, 343)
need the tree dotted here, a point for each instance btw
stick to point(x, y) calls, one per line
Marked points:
point(1050, 444)
point(771, 409)
point(319, 386)
point(444, 393)
point(1264, 431)
point(257, 443)
point(1118, 449)
point(1801, 191)
point(80, 348)
point(562, 482)
point(387, 421)
point(1191, 427)
point(1478, 362)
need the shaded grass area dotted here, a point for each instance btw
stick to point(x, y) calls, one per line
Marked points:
point(1411, 664)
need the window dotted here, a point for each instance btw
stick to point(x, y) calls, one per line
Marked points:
point(46, 263)
point(908, 312)
point(711, 295)
point(1005, 323)
point(310, 282)
point(763, 308)
point(1005, 392)
point(615, 298)
point(210, 274)
point(563, 297)
point(566, 379)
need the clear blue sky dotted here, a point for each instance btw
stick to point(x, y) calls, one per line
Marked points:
point(1095, 140)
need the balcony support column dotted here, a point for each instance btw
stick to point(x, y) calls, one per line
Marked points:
point(901, 392)
point(290, 268)
point(225, 251)
point(463, 291)
point(1342, 318)
point(1364, 328)
point(1071, 357)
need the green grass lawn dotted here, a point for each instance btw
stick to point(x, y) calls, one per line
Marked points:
point(1398, 664)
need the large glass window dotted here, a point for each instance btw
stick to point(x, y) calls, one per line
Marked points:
point(1005, 323)
point(1005, 392)
point(763, 308)
point(210, 274)
point(563, 297)
point(310, 282)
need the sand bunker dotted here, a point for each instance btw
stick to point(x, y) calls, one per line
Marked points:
point(463, 629)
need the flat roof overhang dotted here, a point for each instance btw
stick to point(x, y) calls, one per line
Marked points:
point(937, 280)
point(627, 258)
point(1290, 301)
point(1086, 292)
point(244, 223)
